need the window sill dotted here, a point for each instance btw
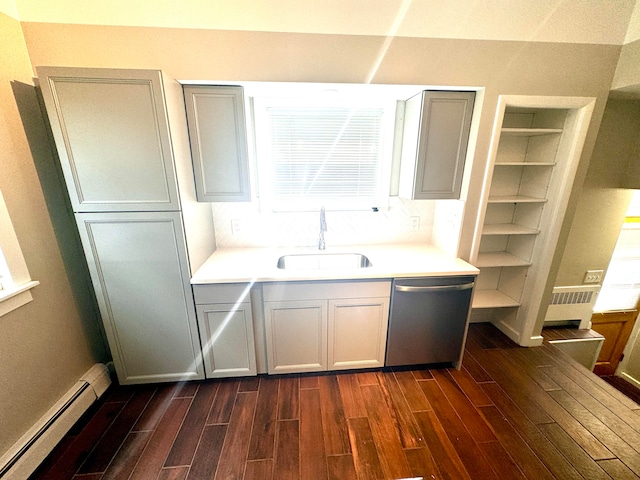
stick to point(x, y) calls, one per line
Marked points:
point(16, 296)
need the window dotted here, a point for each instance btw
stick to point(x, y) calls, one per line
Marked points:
point(335, 154)
point(621, 285)
point(15, 282)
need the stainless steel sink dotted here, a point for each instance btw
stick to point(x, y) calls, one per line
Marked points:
point(323, 261)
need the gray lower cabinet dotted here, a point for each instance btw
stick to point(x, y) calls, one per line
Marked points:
point(357, 332)
point(139, 268)
point(318, 326)
point(226, 327)
point(434, 144)
point(296, 336)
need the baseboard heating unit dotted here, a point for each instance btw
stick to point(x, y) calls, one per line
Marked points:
point(572, 305)
point(24, 457)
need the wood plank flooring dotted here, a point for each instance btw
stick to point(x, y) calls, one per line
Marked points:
point(509, 413)
point(625, 387)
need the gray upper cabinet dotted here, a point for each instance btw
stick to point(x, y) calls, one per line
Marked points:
point(217, 132)
point(113, 138)
point(434, 144)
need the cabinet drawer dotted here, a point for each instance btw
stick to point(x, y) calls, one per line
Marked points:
point(286, 291)
point(221, 293)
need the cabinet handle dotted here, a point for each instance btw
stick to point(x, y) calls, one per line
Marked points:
point(439, 288)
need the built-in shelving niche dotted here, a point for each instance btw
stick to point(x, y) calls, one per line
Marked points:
point(536, 147)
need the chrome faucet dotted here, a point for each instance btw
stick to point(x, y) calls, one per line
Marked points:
point(323, 228)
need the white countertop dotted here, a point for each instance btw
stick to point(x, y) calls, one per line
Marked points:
point(233, 265)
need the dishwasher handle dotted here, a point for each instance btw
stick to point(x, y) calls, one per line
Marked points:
point(433, 288)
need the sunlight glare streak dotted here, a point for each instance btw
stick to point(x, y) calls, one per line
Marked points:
point(402, 13)
point(400, 16)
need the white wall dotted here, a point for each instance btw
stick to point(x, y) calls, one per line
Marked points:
point(343, 228)
point(47, 344)
point(633, 30)
point(9, 7)
point(568, 21)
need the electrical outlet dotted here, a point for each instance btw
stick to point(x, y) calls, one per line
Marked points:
point(593, 276)
point(236, 226)
point(415, 223)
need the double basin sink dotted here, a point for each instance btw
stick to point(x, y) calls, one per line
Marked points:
point(323, 261)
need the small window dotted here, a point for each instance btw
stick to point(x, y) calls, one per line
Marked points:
point(336, 155)
point(621, 286)
point(15, 282)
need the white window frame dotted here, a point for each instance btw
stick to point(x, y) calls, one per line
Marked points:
point(620, 286)
point(264, 167)
point(16, 283)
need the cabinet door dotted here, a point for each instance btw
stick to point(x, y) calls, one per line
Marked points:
point(228, 346)
point(357, 332)
point(138, 265)
point(217, 132)
point(434, 147)
point(296, 336)
point(616, 327)
point(112, 136)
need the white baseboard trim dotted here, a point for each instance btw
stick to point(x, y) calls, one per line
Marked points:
point(25, 456)
point(508, 330)
point(534, 341)
point(515, 335)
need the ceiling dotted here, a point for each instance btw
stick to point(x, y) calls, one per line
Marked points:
point(565, 21)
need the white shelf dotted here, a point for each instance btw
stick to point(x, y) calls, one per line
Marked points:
point(531, 170)
point(515, 199)
point(492, 299)
point(508, 229)
point(530, 132)
point(500, 259)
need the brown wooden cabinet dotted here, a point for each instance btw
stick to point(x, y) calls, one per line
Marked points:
point(616, 328)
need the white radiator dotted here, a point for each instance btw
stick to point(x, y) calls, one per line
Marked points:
point(572, 305)
point(24, 457)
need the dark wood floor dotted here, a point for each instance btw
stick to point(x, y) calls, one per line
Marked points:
point(625, 387)
point(510, 413)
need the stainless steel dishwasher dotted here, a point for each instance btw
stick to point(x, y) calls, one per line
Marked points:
point(428, 320)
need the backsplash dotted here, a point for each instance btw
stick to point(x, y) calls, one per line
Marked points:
point(243, 225)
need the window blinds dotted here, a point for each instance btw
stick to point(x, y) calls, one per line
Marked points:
point(319, 153)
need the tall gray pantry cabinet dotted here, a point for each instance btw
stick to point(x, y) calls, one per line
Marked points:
point(122, 140)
